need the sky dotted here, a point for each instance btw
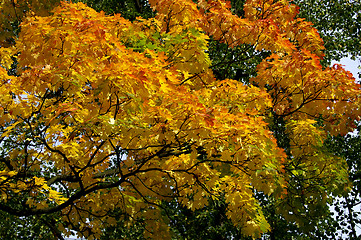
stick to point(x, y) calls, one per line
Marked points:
point(351, 65)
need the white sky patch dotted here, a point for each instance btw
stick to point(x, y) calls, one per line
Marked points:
point(351, 65)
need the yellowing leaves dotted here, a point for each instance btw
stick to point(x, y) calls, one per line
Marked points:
point(128, 114)
point(175, 15)
point(37, 186)
point(15, 11)
point(5, 56)
point(302, 89)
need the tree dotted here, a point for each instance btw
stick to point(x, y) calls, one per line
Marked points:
point(129, 9)
point(339, 24)
point(105, 113)
point(239, 63)
point(347, 215)
point(12, 13)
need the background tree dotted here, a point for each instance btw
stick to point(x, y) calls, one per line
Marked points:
point(339, 23)
point(130, 9)
point(347, 208)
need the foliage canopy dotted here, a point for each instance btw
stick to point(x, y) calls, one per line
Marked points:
point(104, 113)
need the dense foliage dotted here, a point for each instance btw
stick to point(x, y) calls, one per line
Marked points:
point(106, 120)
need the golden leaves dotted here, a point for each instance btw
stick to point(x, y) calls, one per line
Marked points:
point(176, 15)
point(302, 89)
point(128, 114)
point(13, 12)
point(35, 186)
